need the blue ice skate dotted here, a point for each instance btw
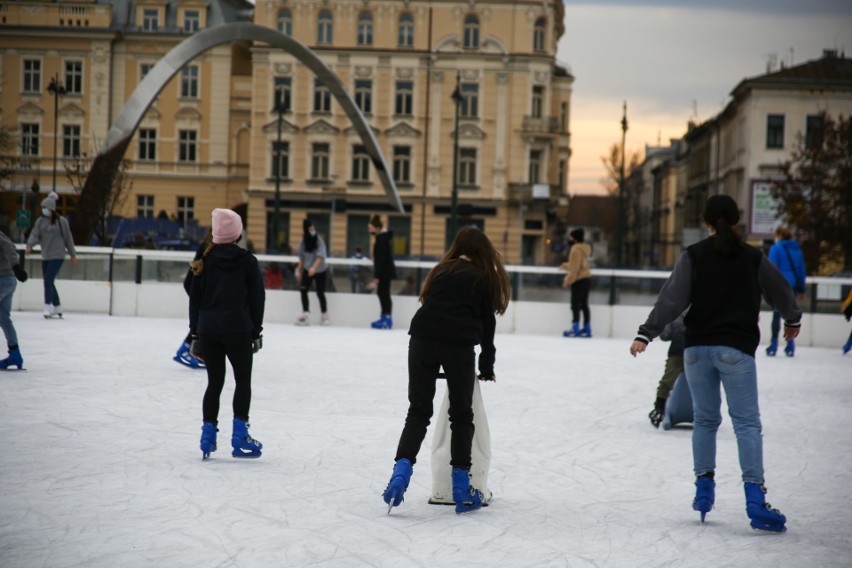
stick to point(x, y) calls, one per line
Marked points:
point(184, 357)
point(244, 445)
point(384, 322)
point(705, 494)
point(847, 346)
point(763, 516)
point(586, 331)
point(773, 347)
point(393, 494)
point(466, 497)
point(573, 332)
point(13, 360)
point(790, 350)
point(208, 439)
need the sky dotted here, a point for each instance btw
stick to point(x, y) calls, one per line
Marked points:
point(675, 61)
point(101, 465)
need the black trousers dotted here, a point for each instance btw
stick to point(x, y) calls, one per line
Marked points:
point(305, 285)
point(237, 348)
point(383, 291)
point(425, 358)
point(580, 300)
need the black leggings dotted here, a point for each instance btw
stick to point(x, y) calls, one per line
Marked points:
point(580, 300)
point(237, 348)
point(305, 285)
point(425, 358)
point(383, 291)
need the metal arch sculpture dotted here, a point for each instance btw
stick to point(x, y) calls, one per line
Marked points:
point(106, 163)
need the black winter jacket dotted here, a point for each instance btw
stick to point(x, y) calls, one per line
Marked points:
point(228, 295)
point(458, 310)
point(383, 265)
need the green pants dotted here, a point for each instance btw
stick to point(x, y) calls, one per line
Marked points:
point(674, 367)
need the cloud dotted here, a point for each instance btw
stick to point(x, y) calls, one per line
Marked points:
point(767, 7)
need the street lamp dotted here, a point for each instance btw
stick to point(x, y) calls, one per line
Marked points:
point(56, 89)
point(276, 215)
point(457, 99)
point(621, 216)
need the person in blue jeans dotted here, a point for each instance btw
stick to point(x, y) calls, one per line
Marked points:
point(10, 272)
point(52, 232)
point(787, 256)
point(721, 280)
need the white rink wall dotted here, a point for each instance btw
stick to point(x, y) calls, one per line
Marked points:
point(168, 300)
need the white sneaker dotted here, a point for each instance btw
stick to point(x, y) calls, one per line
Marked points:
point(325, 320)
point(57, 311)
point(303, 319)
point(48, 311)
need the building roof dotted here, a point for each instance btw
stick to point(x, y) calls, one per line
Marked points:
point(219, 12)
point(832, 71)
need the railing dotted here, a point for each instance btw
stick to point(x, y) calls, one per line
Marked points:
point(529, 283)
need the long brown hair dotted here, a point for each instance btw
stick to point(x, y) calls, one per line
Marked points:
point(197, 266)
point(477, 249)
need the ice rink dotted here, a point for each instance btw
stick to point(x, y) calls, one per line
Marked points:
point(100, 463)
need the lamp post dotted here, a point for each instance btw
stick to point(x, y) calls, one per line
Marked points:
point(56, 89)
point(621, 189)
point(276, 214)
point(454, 202)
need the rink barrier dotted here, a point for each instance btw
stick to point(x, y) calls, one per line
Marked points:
point(149, 283)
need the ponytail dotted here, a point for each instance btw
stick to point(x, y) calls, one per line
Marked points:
point(722, 213)
point(197, 266)
point(727, 240)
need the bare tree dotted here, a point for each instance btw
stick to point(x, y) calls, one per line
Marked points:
point(108, 201)
point(612, 163)
point(816, 193)
point(8, 141)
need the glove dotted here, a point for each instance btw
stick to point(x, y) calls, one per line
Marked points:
point(22, 275)
point(847, 312)
point(487, 376)
point(195, 347)
point(257, 344)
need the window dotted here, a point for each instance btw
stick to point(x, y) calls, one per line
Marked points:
point(189, 82)
point(191, 21)
point(364, 95)
point(74, 77)
point(470, 100)
point(406, 30)
point(283, 94)
point(537, 101)
point(563, 117)
point(535, 166)
point(471, 32)
point(32, 75)
point(775, 131)
point(150, 19)
point(322, 97)
point(281, 159)
point(365, 29)
point(144, 69)
point(145, 206)
point(285, 22)
point(319, 161)
point(325, 28)
point(467, 166)
point(538, 34)
point(185, 208)
point(187, 145)
point(360, 163)
point(29, 139)
point(404, 96)
point(402, 164)
point(813, 131)
point(563, 171)
point(71, 141)
point(147, 143)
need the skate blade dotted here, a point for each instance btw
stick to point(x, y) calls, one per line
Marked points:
point(390, 506)
point(769, 529)
point(703, 514)
point(246, 456)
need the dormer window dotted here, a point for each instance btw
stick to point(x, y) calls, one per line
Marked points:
point(471, 32)
point(150, 19)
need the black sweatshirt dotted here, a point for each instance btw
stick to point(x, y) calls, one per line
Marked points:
point(383, 265)
point(228, 295)
point(723, 297)
point(458, 310)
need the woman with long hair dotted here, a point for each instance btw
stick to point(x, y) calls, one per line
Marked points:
point(720, 280)
point(52, 232)
point(460, 298)
point(311, 268)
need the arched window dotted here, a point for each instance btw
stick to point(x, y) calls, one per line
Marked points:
point(325, 28)
point(365, 29)
point(538, 34)
point(406, 30)
point(285, 22)
point(471, 31)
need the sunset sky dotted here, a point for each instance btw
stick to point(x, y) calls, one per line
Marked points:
point(676, 60)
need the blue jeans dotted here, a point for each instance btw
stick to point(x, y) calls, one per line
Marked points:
point(708, 367)
point(7, 289)
point(50, 268)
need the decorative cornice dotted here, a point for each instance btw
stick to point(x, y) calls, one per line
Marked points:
point(402, 130)
point(321, 126)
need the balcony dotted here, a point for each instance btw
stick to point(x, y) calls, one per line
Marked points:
point(541, 127)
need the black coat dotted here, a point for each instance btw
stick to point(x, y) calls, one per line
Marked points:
point(383, 265)
point(228, 296)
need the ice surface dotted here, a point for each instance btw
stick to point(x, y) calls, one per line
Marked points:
point(101, 467)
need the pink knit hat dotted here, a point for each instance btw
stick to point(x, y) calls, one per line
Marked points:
point(227, 226)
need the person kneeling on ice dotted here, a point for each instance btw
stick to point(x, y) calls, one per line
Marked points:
point(226, 303)
point(10, 272)
point(460, 297)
